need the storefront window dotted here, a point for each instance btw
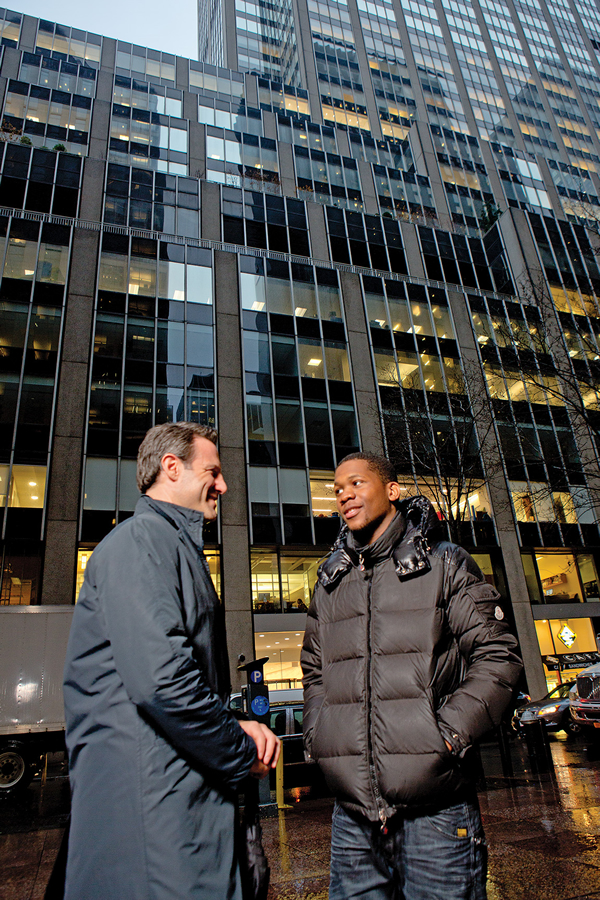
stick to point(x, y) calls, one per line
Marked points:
point(4, 470)
point(484, 561)
point(473, 505)
point(567, 646)
point(533, 587)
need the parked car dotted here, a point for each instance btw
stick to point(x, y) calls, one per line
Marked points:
point(553, 710)
point(585, 699)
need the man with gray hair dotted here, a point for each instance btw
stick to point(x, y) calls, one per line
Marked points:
point(155, 754)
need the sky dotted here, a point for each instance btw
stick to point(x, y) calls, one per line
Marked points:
point(171, 26)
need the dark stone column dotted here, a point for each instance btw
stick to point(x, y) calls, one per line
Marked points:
point(66, 469)
point(235, 533)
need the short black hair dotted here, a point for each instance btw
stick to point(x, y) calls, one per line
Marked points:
point(378, 464)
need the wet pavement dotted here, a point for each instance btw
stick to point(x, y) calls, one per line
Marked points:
point(543, 829)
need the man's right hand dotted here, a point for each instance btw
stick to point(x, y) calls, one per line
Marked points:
point(268, 747)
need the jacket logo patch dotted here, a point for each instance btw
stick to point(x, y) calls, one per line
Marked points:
point(499, 613)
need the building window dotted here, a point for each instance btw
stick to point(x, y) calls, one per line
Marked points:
point(535, 502)
point(83, 557)
point(282, 582)
point(561, 577)
point(21, 569)
point(283, 649)
point(27, 487)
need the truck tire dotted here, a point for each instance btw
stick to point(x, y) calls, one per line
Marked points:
point(16, 768)
point(570, 726)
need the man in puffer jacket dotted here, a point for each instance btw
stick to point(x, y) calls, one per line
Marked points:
point(407, 662)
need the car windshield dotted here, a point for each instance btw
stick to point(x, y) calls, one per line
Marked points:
point(561, 691)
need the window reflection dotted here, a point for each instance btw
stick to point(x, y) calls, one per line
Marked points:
point(305, 300)
point(338, 367)
point(52, 264)
point(20, 259)
point(259, 412)
point(322, 497)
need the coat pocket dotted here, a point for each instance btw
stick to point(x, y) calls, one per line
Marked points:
point(434, 715)
point(311, 747)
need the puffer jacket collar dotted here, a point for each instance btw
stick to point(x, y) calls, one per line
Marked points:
point(405, 540)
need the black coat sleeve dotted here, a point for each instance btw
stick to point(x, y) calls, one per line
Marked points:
point(488, 649)
point(154, 658)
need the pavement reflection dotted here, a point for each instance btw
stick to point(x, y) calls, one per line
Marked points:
point(543, 829)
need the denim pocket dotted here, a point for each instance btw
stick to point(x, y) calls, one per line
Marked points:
point(461, 822)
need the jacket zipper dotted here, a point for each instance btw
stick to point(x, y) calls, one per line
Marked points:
point(376, 792)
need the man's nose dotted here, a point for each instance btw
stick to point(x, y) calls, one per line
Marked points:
point(346, 494)
point(220, 484)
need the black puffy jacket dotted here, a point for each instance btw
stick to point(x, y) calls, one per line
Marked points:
point(405, 648)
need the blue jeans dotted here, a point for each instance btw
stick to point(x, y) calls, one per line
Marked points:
point(440, 856)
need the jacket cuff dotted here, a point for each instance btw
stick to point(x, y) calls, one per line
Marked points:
point(458, 743)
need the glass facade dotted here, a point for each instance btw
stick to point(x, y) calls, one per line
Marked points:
point(315, 238)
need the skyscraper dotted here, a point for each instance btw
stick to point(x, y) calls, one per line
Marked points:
point(362, 225)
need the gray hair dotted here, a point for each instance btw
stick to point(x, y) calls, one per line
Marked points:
point(172, 437)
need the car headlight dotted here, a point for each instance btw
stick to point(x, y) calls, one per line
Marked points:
point(545, 710)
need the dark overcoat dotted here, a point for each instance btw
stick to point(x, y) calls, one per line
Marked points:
point(155, 753)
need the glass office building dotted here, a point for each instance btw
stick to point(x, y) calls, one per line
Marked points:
point(353, 225)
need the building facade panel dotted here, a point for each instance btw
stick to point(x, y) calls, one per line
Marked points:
point(378, 233)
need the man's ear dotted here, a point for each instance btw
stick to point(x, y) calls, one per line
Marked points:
point(170, 465)
point(393, 490)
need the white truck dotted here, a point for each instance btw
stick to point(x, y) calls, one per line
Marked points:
point(33, 643)
point(584, 701)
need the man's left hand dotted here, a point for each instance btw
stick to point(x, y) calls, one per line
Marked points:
point(268, 745)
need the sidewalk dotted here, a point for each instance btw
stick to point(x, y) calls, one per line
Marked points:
point(543, 833)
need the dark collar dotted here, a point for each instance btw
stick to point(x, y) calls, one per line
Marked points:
point(180, 517)
point(405, 541)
